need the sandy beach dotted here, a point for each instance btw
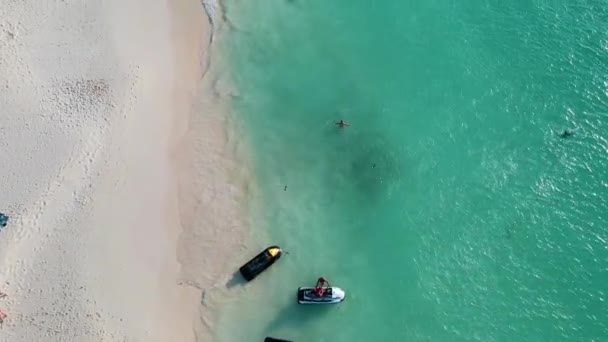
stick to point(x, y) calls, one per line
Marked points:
point(117, 173)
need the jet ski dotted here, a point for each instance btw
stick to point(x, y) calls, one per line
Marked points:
point(260, 262)
point(321, 293)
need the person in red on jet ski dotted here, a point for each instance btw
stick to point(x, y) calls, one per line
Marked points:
point(319, 290)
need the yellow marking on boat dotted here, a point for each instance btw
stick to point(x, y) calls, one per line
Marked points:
point(274, 251)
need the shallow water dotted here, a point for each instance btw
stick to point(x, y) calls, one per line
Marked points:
point(451, 209)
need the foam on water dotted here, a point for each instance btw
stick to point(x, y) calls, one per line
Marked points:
point(451, 209)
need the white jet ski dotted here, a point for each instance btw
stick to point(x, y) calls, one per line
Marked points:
point(322, 293)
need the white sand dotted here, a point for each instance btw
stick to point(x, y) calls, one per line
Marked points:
point(100, 116)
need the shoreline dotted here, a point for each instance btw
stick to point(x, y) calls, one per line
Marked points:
point(119, 219)
point(214, 189)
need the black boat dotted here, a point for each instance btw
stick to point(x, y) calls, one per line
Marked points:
point(270, 339)
point(261, 262)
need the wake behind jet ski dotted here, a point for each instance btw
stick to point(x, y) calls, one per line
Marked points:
point(321, 293)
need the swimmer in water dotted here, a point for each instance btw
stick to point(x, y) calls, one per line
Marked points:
point(342, 124)
point(566, 133)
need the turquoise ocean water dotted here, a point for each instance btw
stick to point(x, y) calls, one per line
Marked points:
point(450, 210)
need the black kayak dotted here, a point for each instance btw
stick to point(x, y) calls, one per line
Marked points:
point(270, 339)
point(261, 262)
